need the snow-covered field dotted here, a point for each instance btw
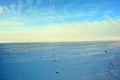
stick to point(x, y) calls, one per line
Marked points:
point(60, 61)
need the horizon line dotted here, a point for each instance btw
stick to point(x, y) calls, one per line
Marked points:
point(54, 41)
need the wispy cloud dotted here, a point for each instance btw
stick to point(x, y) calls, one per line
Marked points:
point(1, 9)
point(58, 20)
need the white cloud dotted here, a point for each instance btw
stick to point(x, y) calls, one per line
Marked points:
point(1, 9)
point(107, 14)
point(104, 30)
point(10, 24)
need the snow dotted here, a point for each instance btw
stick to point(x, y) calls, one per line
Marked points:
point(60, 61)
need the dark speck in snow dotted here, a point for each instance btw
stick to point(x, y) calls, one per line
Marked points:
point(53, 55)
point(105, 51)
point(54, 60)
point(57, 72)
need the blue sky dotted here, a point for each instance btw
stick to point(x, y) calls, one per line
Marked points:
point(49, 18)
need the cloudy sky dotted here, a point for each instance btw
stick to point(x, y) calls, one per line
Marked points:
point(59, 20)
